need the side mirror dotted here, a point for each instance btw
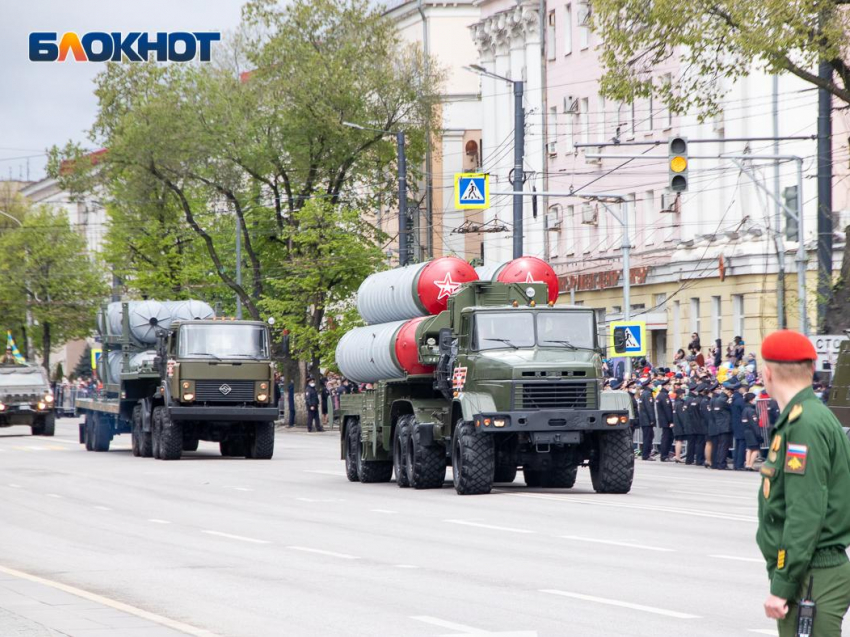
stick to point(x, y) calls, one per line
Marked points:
point(446, 340)
point(620, 340)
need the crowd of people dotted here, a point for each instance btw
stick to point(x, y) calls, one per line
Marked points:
point(706, 410)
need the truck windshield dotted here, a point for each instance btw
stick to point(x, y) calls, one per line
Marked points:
point(515, 330)
point(22, 377)
point(223, 341)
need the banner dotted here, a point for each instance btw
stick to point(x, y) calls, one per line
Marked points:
point(10, 344)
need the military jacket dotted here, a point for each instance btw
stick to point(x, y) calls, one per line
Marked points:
point(804, 502)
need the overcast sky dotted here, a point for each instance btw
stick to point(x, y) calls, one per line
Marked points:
point(48, 103)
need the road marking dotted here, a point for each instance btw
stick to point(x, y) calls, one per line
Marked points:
point(489, 526)
point(614, 602)
point(324, 473)
point(100, 507)
point(55, 448)
point(763, 631)
point(66, 442)
point(382, 511)
point(578, 499)
point(15, 486)
point(442, 623)
point(239, 488)
point(36, 448)
point(111, 603)
point(613, 543)
point(305, 549)
point(53, 495)
point(320, 500)
point(405, 566)
point(717, 495)
point(740, 559)
point(156, 521)
point(237, 537)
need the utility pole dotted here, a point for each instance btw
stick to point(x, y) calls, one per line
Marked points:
point(824, 195)
point(238, 266)
point(402, 199)
point(519, 152)
point(429, 182)
point(778, 238)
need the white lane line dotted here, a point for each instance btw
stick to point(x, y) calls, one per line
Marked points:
point(581, 500)
point(488, 526)
point(36, 448)
point(241, 538)
point(382, 511)
point(239, 488)
point(157, 521)
point(111, 603)
point(613, 543)
point(320, 500)
point(15, 486)
point(763, 631)
point(324, 473)
point(615, 602)
point(65, 442)
point(100, 507)
point(305, 549)
point(405, 566)
point(53, 495)
point(740, 559)
point(719, 495)
point(442, 623)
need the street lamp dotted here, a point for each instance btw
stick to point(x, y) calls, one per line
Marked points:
point(402, 187)
point(519, 150)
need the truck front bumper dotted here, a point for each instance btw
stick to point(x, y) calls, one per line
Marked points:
point(555, 425)
point(242, 414)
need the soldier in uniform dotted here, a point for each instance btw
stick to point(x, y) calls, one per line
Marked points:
point(664, 414)
point(804, 510)
point(720, 407)
point(646, 416)
point(708, 421)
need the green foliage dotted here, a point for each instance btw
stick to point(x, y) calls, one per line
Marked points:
point(59, 374)
point(716, 42)
point(83, 368)
point(44, 268)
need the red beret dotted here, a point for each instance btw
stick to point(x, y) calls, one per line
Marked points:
point(787, 346)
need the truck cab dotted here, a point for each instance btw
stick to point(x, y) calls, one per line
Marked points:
point(26, 399)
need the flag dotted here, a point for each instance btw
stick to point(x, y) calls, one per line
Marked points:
point(10, 344)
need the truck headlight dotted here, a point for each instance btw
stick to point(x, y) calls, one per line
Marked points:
point(41, 406)
point(188, 397)
point(2, 407)
point(612, 419)
point(261, 398)
point(48, 398)
point(500, 422)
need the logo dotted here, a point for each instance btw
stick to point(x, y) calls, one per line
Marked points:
point(225, 389)
point(447, 286)
point(135, 46)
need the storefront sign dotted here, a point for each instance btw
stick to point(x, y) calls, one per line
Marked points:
point(600, 280)
point(827, 347)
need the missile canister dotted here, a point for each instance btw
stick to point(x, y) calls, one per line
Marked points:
point(380, 352)
point(190, 310)
point(414, 290)
point(522, 270)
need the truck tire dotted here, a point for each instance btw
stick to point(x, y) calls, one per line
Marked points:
point(102, 433)
point(531, 477)
point(170, 437)
point(260, 446)
point(136, 430)
point(560, 477)
point(145, 439)
point(49, 427)
point(426, 466)
point(88, 432)
point(504, 473)
point(369, 470)
point(233, 447)
point(156, 426)
point(37, 427)
point(401, 438)
point(352, 448)
point(473, 460)
point(191, 444)
point(614, 468)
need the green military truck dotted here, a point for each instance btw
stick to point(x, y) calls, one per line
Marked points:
point(207, 379)
point(494, 383)
point(839, 392)
point(26, 399)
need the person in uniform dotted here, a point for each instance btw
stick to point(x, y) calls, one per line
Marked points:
point(680, 418)
point(664, 415)
point(646, 416)
point(803, 505)
point(739, 453)
point(752, 431)
point(708, 421)
point(311, 402)
point(695, 431)
point(721, 408)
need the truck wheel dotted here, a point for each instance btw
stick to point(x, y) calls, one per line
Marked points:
point(352, 449)
point(260, 446)
point(426, 466)
point(369, 470)
point(614, 468)
point(88, 432)
point(473, 460)
point(504, 473)
point(531, 477)
point(401, 436)
point(49, 427)
point(560, 477)
point(37, 427)
point(170, 437)
point(233, 447)
point(191, 444)
point(156, 427)
point(145, 440)
point(136, 430)
point(102, 433)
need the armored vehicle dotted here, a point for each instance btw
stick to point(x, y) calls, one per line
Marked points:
point(26, 399)
point(500, 380)
point(207, 379)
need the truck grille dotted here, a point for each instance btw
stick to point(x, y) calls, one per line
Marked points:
point(555, 395)
point(224, 391)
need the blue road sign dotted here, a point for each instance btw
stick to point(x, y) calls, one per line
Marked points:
point(472, 190)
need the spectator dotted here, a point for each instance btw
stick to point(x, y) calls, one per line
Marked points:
point(752, 431)
point(739, 454)
point(324, 395)
point(694, 346)
point(718, 348)
point(738, 349)
point(646, 416)
point(290, 396)
point(311, 402)
point(664, 416)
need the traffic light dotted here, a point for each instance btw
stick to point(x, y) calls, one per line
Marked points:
point(677, 164)
point(792, 203)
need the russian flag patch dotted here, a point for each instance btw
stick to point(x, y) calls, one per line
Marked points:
point(795, 458)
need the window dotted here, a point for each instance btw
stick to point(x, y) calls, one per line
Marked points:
point(568, 30)
point(550, 37)
point(650, 116)
point(677, 320)
point(600, 126)
point(552, 146)
point(584, 119)
point(632, 121)
point(659, 302)
point(738, 314)
point(583, 25)
point(716, 317)
point(667, 118)
point(695, 317)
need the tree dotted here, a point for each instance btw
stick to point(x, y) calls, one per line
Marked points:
point(44, 269)
point(83, 368)
point(726, 39)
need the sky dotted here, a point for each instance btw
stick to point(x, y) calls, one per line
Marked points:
point(47, 103)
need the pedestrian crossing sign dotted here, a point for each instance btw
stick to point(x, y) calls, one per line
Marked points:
point(472, 191)
point(628, 337)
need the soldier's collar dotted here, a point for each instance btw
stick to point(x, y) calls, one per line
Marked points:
point(801, 396)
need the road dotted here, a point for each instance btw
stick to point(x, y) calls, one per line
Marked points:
point(97, 544)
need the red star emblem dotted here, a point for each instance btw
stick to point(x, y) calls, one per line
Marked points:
point(447, 286)
point(529, 279)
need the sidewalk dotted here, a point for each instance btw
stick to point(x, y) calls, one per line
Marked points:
point(33, 609)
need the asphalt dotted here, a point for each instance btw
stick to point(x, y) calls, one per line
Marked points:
point(104, 544)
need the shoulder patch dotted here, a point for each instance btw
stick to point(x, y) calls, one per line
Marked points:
point(768, 471)
point(780, 559)
point(796, 412)
point(776, 443)
point(765, 488)
point(795, 458)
